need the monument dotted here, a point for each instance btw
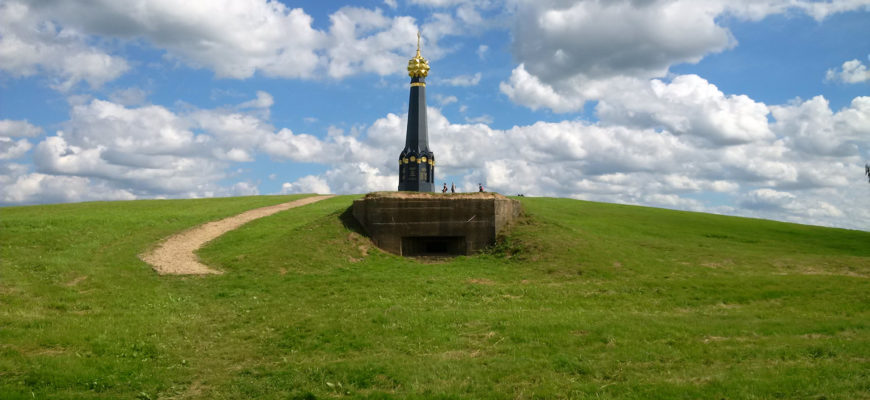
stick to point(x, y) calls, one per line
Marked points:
point(417, 162)
point(417, 222)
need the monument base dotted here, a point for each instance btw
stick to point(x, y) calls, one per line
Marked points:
point(430, 224)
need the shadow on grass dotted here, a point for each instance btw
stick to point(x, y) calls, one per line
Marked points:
point(351, 223)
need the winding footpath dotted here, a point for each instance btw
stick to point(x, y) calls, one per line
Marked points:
point(176, 255)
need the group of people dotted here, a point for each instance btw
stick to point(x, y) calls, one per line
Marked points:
point(453, 188)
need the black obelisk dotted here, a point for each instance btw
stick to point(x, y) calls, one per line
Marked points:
point(417, 162)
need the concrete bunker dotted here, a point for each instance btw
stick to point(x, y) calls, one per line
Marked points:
point(428, 224)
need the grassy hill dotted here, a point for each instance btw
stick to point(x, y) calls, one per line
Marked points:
point(582, 300)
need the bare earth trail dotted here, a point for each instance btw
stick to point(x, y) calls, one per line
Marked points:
point(175, 256)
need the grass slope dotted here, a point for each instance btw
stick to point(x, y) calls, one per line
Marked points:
point(582, 300)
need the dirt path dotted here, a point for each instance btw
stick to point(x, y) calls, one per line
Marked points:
point(175, 256)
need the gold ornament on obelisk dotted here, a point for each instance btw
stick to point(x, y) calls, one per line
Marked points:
point(418, 67)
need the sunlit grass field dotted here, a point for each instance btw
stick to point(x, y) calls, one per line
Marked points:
point(580, 300)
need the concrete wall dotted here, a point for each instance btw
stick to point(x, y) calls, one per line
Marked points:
point(478, 218)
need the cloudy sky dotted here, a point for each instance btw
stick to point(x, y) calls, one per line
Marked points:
point(757, 108)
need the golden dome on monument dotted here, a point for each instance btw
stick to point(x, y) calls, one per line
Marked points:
point(418, 67)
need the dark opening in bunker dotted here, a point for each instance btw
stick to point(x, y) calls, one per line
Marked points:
point(433, 246)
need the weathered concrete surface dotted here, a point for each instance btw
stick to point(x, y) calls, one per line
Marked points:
point(408, 223)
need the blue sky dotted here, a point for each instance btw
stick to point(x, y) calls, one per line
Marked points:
point(751, 108)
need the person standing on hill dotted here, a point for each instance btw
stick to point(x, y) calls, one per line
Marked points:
point(480, 187)
point(444, 189)
point(452, 187)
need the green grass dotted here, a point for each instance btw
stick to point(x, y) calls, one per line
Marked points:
point(582, 300)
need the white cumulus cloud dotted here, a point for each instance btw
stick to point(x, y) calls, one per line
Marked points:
point(30, 45)
point(572, 52)
point(138, 151)
point(12, 148)
point(853, 71)
point(463, 80)
point(688, 105)
point(306, 184)
point(18, 128)
point(813, 128)
point(235, 39)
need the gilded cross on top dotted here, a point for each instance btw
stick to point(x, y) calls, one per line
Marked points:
point(418, 66)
